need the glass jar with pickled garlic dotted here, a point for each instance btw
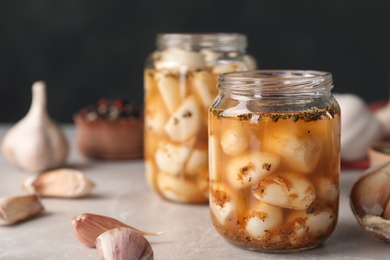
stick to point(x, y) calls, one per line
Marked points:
point(274, 143)
point(180, 81)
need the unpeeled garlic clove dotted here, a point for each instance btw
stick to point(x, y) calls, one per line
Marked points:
point(19, 208)
point(36, 143)
point(123, 243)
point(370, 201)
point(88, 227)
point(61, 183)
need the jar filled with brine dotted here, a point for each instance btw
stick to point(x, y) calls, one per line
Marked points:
point(274, 142)
point(180, 81)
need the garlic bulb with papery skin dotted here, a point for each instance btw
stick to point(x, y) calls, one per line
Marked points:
point(36, 143)
point(360, 127)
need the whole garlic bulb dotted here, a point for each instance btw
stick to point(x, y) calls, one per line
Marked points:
point(36, 143)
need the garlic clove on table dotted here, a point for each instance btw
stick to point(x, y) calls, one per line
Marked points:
point(19, 208)
point(123, 243)
point(88, 227)
point(36, 143)
point(60, 183)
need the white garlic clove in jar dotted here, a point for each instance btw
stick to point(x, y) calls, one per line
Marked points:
point(156, 116)
point(185, 122)
point(171, 157)
point(197, 161)
point(202, 82)
point(169, 87)
point(248, 169)
point(221, 202)
point(299, 153)
point(263, 218)
point(370, 201)
point(178, 189)
point(288, 190)
point(235, 140)
point(177, 60)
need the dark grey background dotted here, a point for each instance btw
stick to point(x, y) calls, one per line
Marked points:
point(88, 49)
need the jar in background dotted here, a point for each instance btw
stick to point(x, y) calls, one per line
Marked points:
point(274, 142)
point(180, 81)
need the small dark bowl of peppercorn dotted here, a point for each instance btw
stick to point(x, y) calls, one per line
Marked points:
point(110, 130)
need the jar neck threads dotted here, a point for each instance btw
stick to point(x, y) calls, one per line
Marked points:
point(197, 41)
point(277, 82)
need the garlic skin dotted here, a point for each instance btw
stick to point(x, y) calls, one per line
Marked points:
point(59, 183)
point(370, 201)
point(123, 243)
point(19, 208)
point(360, 127)
point(88, 227)
point(36, 143)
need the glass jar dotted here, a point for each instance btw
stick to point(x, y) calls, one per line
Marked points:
point(274, 143)
point(180, 84)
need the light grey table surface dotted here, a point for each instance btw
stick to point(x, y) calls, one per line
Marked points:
point(121, 192)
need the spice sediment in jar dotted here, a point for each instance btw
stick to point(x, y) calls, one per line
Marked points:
point(280, 189)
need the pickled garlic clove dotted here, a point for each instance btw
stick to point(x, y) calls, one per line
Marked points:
point(229, 67)
point(213, 153)
point(248, 169)
point(178, 60)
point(298, 153)
point(178, 189)
point(287, 190)
point(170, 158)
point(197, 161)
point(262, 219)
point(185, 122)
point(156, 116)
point(320, 222)
point(203, 82)
point(169, 88)
point(327, 189)
point(221, 204)
point(234, 140)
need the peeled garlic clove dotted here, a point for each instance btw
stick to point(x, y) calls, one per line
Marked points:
point(36, 143)
point(179, 189)
point(179, 60)
point(299, 153)
point(370, 201)
point(88, 227)
point(197, 161)
point(221, 202)
point(234, 140)
point(247, 169)
point(185, 121)
point(61, 183)
point(169, 88)
point(170, 157)
point(263, 218)
point(203, 82)
point(287, 190)
point(19, 208)
point(123, 243)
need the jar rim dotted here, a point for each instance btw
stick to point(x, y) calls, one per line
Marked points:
point(216, 41)
point(291, 81)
